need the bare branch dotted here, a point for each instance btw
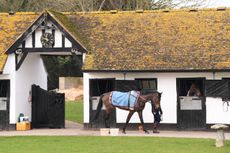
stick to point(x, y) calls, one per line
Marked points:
point(102, 4)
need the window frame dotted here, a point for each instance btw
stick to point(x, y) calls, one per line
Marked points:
point(146, 79)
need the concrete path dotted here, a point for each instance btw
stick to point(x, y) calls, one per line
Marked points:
point(75, 129)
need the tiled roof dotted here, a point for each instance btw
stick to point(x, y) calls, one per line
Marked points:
point(156, 40)
point(11, 27)
point(134, 41)
point(62, 19)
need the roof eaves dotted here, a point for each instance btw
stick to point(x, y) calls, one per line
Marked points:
point(159, 71)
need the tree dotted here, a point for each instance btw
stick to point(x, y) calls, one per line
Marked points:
point(94, 5)
point(64, 66)
point(124, 5)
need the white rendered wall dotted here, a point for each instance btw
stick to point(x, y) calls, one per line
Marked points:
point(86, 97)
point(32, 71)
point(58, 38)
point(166, 83)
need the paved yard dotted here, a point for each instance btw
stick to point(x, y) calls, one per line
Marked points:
point(75, 129)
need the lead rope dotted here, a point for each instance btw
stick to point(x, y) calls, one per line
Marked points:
point(227, 105)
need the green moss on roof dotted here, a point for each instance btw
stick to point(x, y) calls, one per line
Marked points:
point(70, 28)
point(156, 40)
point(152, 40)
point(11, 27)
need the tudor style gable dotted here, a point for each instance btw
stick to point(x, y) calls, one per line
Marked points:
point(47, 35)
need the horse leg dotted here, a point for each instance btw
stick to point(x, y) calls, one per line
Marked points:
point(107, 117)
point(142, 121)
point(127, 120)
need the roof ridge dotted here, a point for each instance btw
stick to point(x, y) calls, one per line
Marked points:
point(152, 11)
point(132, 11)
point(28, 13)
point(21, 13)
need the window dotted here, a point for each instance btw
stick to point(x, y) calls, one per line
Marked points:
point(100, 86)
point(184, 85)
point(147, 84)
point(217, 88)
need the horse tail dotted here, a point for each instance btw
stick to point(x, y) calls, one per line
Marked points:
point(99, 107)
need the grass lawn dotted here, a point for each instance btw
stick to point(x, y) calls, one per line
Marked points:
point(74, 111)
point(98, 144)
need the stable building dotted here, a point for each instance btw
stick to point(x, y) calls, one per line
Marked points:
point(132, 50)
point(24, 38)
point(163, 50)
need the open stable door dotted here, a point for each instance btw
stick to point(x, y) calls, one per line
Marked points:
point(97, 88)
point(4, 104)
point(191, 110)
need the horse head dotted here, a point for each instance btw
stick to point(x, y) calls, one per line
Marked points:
point(156, 99)
point(153, 96)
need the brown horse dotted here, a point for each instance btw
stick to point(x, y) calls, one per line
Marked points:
point(154, 97)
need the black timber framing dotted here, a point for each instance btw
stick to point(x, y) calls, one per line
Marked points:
point(75, 43)
point(31, 31)
point(18, 61)
point(23, 44)
point(33, 39)
point(35, 25)
point(53, 33)
point(36, 50)
point(63, 41)
point(23, 37)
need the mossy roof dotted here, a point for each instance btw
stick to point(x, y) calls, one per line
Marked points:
point(69, 27)
point(179, 40)
point(11, 27)
point(139, 41)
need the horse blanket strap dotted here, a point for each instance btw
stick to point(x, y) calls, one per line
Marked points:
point(124, 99)
point(129, 100)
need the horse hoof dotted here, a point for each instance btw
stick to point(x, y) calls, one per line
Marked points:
point(146, 132)
point(123, 132)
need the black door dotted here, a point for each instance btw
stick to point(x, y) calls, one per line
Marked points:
point(97, 88)
point(48, 108)
point(4, 104)
point(191, 110)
